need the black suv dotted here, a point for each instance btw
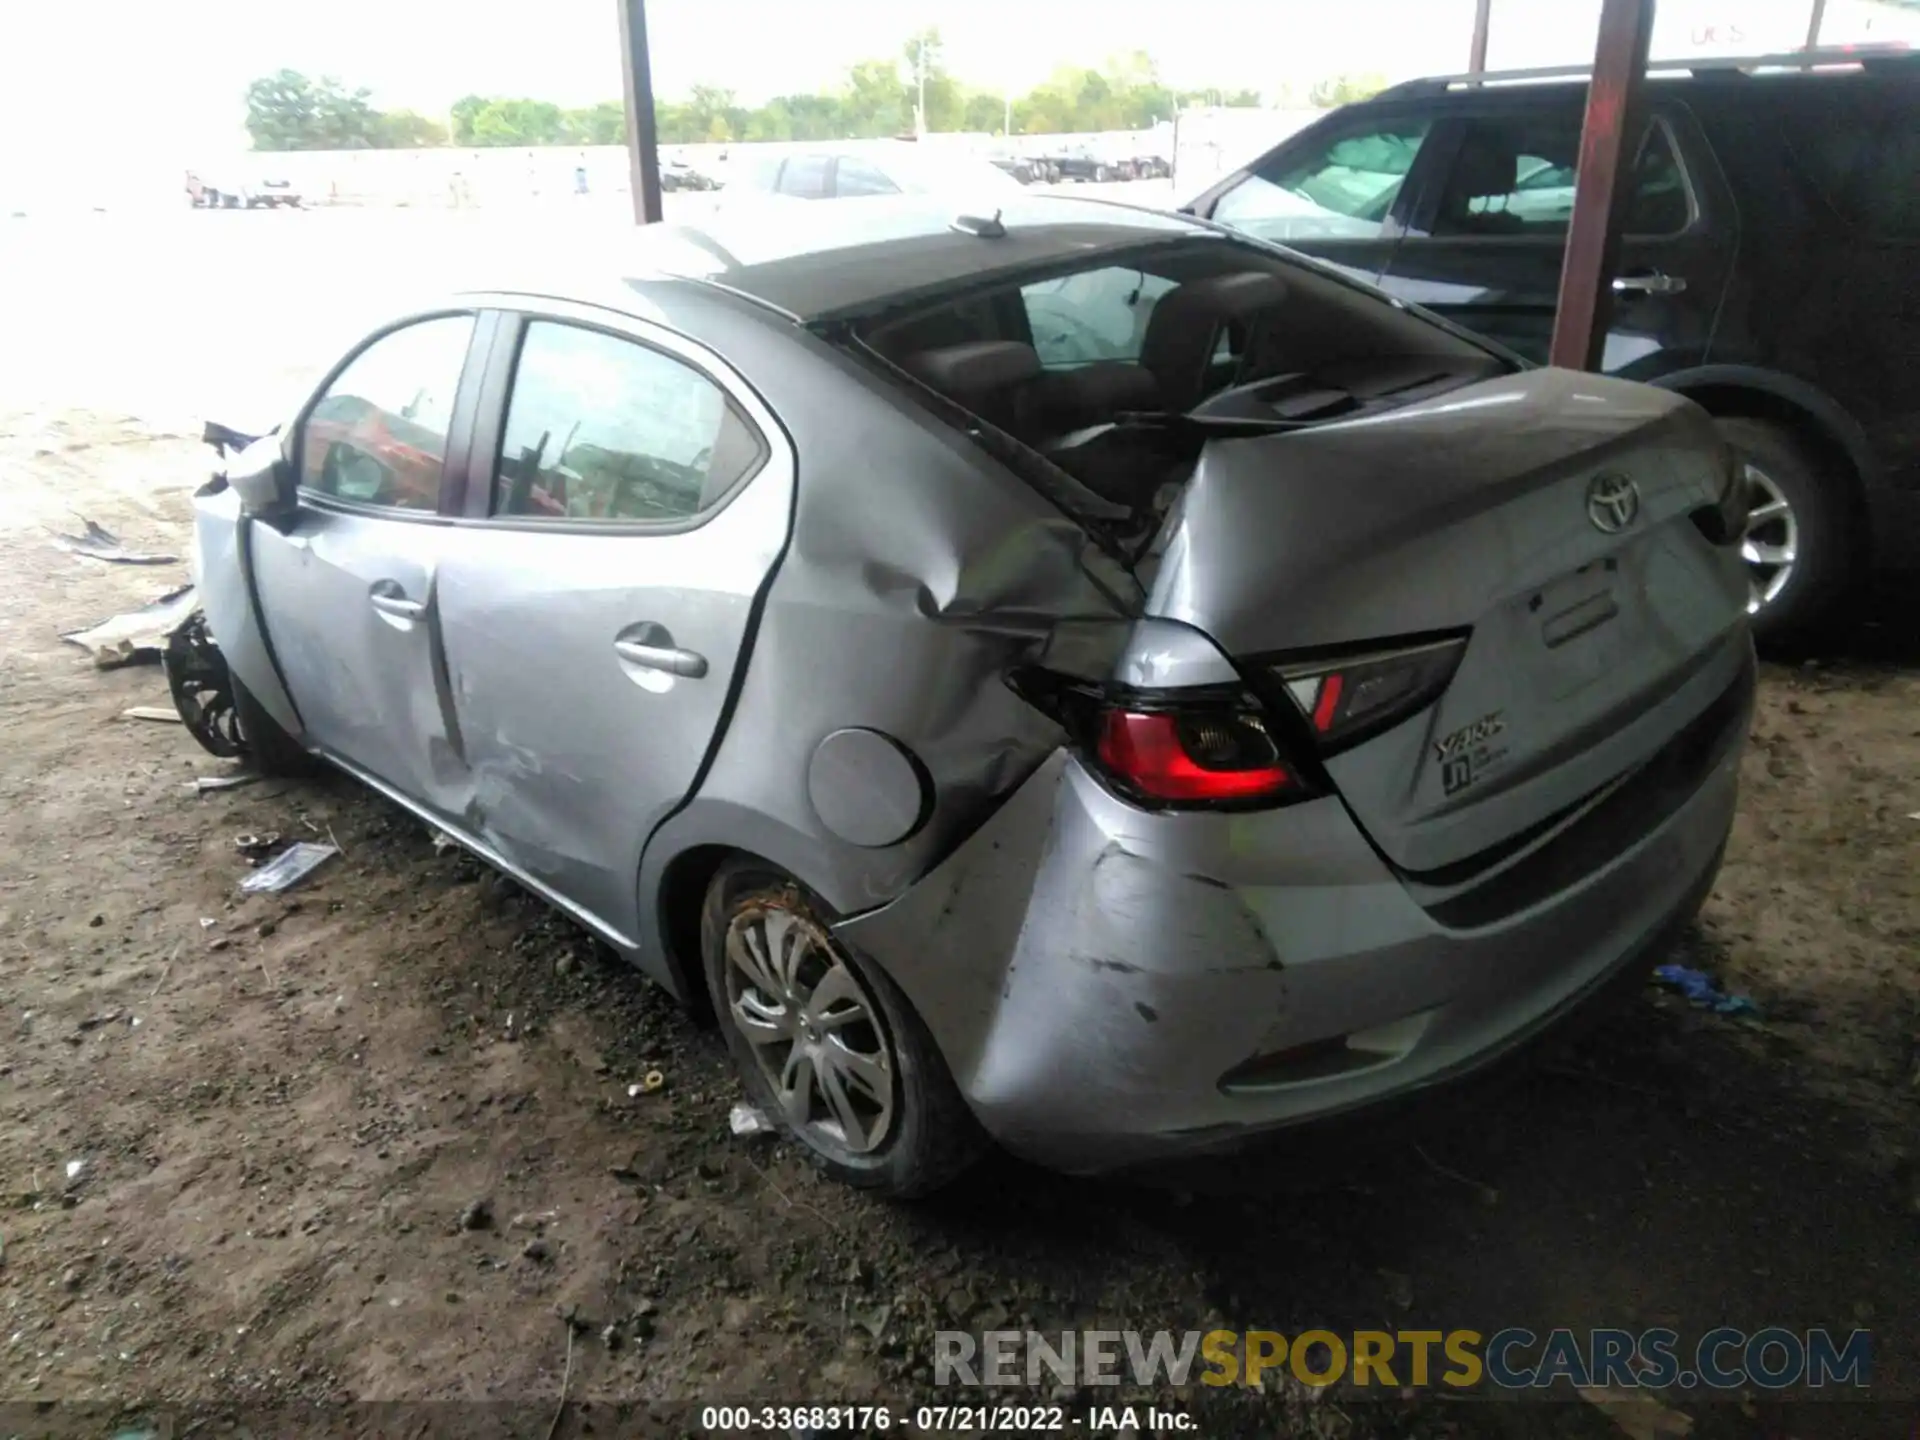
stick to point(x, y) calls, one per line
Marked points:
point(1770, 268)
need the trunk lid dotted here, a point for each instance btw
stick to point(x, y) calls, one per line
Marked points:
point(1546, 518)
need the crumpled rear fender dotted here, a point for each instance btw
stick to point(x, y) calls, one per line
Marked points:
point(222, 575)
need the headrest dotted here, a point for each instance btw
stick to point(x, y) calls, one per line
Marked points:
point(1090, 394)
point(1227, 297)
point(1484, 169)
point(978, 367)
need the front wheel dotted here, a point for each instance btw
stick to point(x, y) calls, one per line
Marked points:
point(270, 749)
point(827, 1045)
point(1800, 545)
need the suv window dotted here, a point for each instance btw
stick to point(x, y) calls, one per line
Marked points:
point(857, 177)
point(805, 176)
point(1095, 315)
point(1343, 188)
point(1861, 161)
point(601, 428)
point(1516, 177)
point(378, 436)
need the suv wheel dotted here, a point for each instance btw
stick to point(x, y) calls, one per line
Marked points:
point(1799, 544)
point(827, 1045)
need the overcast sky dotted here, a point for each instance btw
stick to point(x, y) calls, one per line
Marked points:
point(166, 77)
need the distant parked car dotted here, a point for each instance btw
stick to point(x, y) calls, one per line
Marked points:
point(230, 192)
point(885, 167)
point(1019, 167)
point(678, 174)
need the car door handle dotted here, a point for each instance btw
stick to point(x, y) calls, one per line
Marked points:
point(398, 606)
point(1648, 282)
point(687, 664)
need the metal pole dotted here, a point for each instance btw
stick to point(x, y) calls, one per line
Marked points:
point(1614, 124)
point(1482, 22)
point(643, 140)
point(1813, 24)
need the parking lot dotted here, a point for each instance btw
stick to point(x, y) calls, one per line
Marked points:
point(238, 1134)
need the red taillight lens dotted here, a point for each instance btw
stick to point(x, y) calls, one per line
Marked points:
point(1195, 758)
point(1349, 699)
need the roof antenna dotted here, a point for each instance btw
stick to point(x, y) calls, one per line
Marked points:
point(979, 226)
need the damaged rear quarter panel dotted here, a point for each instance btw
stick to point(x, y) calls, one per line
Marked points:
point(918, 573)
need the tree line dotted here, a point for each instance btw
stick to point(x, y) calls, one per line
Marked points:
point(879, 98)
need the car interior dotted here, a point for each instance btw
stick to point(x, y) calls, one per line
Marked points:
point(1239, 342)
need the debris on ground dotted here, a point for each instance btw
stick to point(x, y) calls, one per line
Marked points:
point(533, 1220)
point(477, 1216)
point(254, 846)
point(289, 867)
point(160, 714)
point(1703, 990)
point(139, 636)
point(228, 781)
point(746, 1119)
point(537, 1250)
point(99, 543)
point(442, 841)
point(647, 1084)
point(75, 1169)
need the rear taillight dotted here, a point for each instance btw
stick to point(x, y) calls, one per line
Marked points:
point(1347, 699)
point(1195, 755)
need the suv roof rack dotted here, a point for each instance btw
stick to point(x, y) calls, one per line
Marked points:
point(1863, 56)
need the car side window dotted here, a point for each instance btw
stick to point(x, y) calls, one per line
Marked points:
point(378, 436)
point(805, 177)
point(856, 177)
point(602, 428)
point(1092, 316)
point(1342, 188)
point(1516, 177)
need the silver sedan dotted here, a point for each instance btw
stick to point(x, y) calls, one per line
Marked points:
point(1069, 676)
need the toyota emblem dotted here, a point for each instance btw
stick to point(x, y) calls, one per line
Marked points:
point(1613, 502)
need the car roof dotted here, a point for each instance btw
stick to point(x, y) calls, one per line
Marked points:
point(816, 259)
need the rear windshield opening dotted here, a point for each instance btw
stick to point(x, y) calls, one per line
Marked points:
point(1079, 365)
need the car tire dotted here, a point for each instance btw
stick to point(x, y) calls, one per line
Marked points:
point(1800, 512)
point(269, 749)
point(917, 1138)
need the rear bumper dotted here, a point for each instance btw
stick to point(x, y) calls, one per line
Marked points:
point(1114, 988)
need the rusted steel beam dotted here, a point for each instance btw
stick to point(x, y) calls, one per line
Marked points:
point(643, 143)
point(1616, 119)
point(1482, 22)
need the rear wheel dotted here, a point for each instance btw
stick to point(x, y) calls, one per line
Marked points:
point(270, 749)
point(1801, 534)
point(827, 1045)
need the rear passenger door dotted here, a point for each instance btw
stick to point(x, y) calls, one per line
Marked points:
point(1340, 191)
point(1486, 240)
point(628, 500)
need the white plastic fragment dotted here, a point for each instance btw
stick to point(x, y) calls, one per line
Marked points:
point(746, 1119)
point(289, 867)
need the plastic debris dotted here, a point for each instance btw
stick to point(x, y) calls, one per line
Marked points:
point(99, 543)
point(247, 843)
point(289, 867)
point(221, 782)
point(158, 713)
point(75, 1169)
point(649, 1082)
point(443, 842)
point(1703, 990)
point(746, 1119)
point(139, 636)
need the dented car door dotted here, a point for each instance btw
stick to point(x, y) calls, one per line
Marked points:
point(347, 583)
point(598, 598)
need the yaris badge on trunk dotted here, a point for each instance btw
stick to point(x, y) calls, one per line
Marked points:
point(1613, 502)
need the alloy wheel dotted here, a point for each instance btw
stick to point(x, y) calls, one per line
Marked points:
point(1772, 542)
point(814, 1030)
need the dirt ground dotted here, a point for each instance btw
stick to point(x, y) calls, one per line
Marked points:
point(238, 1134)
